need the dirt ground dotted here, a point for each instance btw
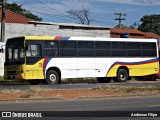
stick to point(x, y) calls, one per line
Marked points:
point(60, 94)
point(70, 94)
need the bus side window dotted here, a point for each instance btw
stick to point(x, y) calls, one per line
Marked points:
point(33, 50)
point(51, 49)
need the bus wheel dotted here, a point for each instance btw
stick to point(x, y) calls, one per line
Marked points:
point(52, 77)
point(103, 80)
point(122, 75)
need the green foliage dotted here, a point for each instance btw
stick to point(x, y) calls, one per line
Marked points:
point(134, 25)
point(150, 23)
point(121, 26)
point(19, 10)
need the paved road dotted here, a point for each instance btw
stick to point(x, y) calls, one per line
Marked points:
point(76, 86)
point(104, 106)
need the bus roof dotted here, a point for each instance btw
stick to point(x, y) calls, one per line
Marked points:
point(87, 38)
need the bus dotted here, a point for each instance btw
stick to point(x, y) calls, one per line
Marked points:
point(55, 58)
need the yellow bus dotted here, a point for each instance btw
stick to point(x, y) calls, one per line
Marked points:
point(54, 58)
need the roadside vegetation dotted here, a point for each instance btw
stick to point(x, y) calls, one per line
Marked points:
point(155, 89)
point(107, 91)
point(34, 92)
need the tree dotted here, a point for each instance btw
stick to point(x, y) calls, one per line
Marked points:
point(19, 10)
point(150, 23)
point(134, 25)
point(121, 26)
point(82, 15)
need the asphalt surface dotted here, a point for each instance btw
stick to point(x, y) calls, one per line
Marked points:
point(77, 86)
point(102, 104)
point(115, 108)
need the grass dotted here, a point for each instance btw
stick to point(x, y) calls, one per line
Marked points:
point(5, 91)
point(34, 92)
point(132, 89)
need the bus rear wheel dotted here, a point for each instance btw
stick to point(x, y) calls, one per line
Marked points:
point(52, 77)
point(122, 75)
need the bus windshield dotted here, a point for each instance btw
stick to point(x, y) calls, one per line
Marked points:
point(15, 51)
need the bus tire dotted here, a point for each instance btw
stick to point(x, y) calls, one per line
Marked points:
point(103, 80)
point(52, 77)
point(122, 75)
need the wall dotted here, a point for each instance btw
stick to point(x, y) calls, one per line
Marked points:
point(14, 30)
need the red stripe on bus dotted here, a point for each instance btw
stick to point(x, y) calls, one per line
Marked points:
point(58, 38)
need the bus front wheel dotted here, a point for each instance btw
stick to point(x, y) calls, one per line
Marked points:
point(52, 77)
point(122, 75)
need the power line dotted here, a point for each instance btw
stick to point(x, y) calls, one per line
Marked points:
point(53, 9)
point(120, 18)
point(49, 13)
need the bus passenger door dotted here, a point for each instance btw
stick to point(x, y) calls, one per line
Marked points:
point(33, 60)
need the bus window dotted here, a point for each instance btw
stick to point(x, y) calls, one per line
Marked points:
point(68, 48)
point(33, 50)
point(51, 49)
point(10, 53)
point(85, 49)
point(15, 54)
point(21, 53)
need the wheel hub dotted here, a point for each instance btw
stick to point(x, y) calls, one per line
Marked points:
point(53, 78)
point(122, 76)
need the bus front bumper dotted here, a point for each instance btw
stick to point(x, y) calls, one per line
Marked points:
point(14, 77)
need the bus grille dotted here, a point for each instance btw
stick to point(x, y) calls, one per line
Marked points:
point(11, 72)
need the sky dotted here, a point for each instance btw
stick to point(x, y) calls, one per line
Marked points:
point(101, 11)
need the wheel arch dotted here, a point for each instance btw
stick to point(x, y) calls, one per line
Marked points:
point(123, 67)
point(56, 69)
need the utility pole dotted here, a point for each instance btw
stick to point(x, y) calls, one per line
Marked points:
point(120, 18)
point(3, 2)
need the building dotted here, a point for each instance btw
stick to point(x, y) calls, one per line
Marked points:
point(12, 17)
point(72, 29)
point(151, 35)
point(131, 33)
